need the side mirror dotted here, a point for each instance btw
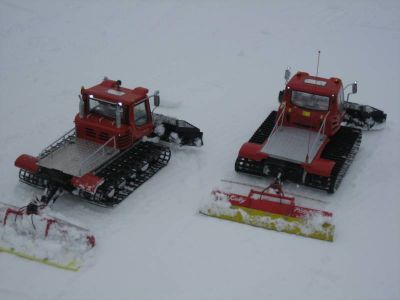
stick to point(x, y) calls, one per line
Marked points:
point(287, 74)
point(354, 87)
point(156, 98)
point(280, 96)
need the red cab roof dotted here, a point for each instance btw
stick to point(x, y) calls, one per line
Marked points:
point(303, 82)
point(111, 91)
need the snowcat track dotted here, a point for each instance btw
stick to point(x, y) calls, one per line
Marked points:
point(32, 179)
point(341, 149)
point(263, 132)
point(249, 166)
point(125, 174)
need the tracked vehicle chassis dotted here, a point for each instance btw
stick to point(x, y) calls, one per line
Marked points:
point(122, 175)
point(341, 149)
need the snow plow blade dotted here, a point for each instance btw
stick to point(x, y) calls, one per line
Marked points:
point(70, 266)
point(43, 238)
point(272, 211)
point(177, 131)
point(364, 117)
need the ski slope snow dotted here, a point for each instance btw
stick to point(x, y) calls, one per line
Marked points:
point(219, 65)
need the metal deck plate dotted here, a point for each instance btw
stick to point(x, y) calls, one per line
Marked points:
point(72, 158)
point(293, 144)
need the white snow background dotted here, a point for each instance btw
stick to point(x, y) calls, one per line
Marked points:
point(219, 65)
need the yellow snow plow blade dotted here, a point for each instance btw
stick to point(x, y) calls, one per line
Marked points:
point(323, 231)
point(71, 266)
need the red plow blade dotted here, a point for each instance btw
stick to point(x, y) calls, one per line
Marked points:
point(270, 209)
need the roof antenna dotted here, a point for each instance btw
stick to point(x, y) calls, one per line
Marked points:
point(319, 53)
point(287, 75)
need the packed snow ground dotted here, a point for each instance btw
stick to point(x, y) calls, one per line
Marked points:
point(219, 65)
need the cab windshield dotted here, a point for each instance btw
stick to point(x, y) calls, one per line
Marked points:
point(310, 101)
point(105, 109)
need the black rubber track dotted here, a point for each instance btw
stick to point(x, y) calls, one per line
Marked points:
point(128, 172)
point(342, 148)
point(263, 132)
point(249, 166)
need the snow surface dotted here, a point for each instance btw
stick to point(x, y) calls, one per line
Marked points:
point(219, 65)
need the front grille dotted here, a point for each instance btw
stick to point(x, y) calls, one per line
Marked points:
point(104, 136)
point(123, 141)
point(90, 132)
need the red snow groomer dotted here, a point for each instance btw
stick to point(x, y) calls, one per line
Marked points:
point(113, 149)
point(313, 137)
point(311, 140)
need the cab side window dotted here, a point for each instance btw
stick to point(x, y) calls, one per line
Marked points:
point(140, 114)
